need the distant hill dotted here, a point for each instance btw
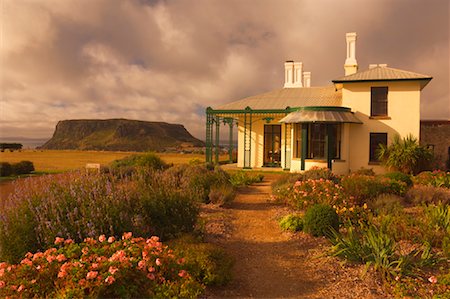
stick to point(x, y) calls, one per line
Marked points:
point(119, 135)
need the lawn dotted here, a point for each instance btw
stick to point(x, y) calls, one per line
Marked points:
point(63, 160)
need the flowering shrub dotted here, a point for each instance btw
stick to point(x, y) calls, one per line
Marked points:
point(78, 205)
point(436, 178)
point(131, 267)
point(310, 192)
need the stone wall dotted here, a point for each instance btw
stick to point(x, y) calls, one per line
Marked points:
point(436, 134)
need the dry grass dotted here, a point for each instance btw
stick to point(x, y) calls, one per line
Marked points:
point(57, 161)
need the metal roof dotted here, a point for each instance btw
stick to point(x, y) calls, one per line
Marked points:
point(289, 97)
point(382, 73)
point(334, 115)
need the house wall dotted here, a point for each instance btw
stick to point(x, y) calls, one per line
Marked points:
point(403, 112)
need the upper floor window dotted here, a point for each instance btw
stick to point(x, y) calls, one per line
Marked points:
point(379, 101)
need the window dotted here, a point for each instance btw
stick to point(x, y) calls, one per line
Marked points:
point(317, 135)
point(375, 140)
point(379, 101)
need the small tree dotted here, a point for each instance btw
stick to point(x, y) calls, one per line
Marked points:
point(404, 154)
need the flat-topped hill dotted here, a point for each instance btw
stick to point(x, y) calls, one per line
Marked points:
point(119, 135)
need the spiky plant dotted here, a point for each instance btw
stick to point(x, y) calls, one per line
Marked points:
point(404, 154)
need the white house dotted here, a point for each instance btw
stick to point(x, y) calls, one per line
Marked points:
point(338, 126)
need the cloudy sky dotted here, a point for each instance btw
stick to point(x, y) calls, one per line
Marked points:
point(169, 60)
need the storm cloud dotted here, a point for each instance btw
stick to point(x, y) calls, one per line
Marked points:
point(169, 60)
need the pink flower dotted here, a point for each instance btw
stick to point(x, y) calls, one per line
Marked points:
point(50, 259)
point(113, 270)
point(182, 273)
point(111, 239)
point(2, 272)
point(127, 236)
point(94, 266)
point(151, 269)
point(102, 238)
point(2, 284)
point(59, 240)
point(91, 275)
point(110, 280)
point(151, 276)
point(180, 261)
point(62, 273)
point(27, 262)
point(432, 279)
point(3, 265)
point(141, 265)
point(33, 281)
point(37, 255)
point(158, 262)
point(21, 288)
point(68, 241)
point(61, 258)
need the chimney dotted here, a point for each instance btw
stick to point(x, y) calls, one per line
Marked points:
point(306, 79)
point(293, 74)
point(351, 66)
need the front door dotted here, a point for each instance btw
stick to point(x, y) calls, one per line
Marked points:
point(272, 145)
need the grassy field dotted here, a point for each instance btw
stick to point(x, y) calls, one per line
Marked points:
point(59, 161)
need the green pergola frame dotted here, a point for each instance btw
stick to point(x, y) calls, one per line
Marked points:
point(231, 117)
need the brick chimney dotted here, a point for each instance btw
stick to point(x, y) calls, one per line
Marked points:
point(351, 65)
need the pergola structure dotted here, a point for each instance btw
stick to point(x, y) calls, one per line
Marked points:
point(327, 115)
point(214, 118)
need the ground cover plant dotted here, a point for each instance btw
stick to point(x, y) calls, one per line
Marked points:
point(395, 224)
point(104, 267)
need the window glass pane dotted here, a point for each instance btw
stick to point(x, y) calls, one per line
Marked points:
point(297, 140)
point(317, 133)
point(379, 101)
point(375, 140)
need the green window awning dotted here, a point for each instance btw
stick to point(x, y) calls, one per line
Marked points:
point(321, 114)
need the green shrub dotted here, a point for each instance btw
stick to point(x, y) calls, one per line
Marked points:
point(222, 194)
point(23, 167)
point(365, 171)
point(439, 217)
point(317, 173)
point(387, 204)
point(370, 246)
point(244, 178)
point(363, 188)
point(206, 262)
point(127, 268)
point(291, 222)
point(404, 154)
point(128, 165)
point(197, 180)
point(5, 169)
point(400, 176)
point(320, 219)
point(421, 194)
point(436, 178)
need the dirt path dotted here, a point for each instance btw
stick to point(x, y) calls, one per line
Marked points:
point(273, 264)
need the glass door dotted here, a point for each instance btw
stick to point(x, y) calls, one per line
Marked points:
point(272, 145)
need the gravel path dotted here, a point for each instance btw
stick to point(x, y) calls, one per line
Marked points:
point(273, 264)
